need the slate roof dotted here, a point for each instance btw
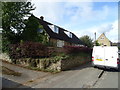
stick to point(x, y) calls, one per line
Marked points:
point(61, 35)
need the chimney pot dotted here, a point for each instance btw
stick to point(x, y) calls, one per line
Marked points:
point(41, 17)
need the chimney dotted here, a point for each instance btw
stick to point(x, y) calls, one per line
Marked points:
point(41, 17)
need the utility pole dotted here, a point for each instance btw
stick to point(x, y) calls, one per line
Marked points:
point(95, 39)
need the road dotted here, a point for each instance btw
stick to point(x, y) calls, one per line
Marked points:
point(81, 77)
point(88, 77)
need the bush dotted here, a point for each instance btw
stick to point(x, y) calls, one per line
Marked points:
point(119, 48)
point(28, 50)
point(87, 41)
point(76, 49)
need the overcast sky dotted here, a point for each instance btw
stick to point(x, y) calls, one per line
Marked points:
point(81, 18)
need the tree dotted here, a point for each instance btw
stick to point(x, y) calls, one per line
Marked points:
point(87, 41)
point(96, 43)
point(34, 31)
point(13, 20)
point(119, 48)
point(30, 32)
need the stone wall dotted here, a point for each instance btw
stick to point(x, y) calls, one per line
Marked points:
point(43, 64)
point(5, 57)
point(74, 62)
point(54, 65)
point(50, 63)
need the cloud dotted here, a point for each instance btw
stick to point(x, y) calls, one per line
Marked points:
point(79, 12)
point(86, 15)
point(85, 12)
point(80, 18)
point(49, 10)
point(113, 33)
point(110, 30)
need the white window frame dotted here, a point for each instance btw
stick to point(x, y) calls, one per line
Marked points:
point(54, 28)
point(69, 34)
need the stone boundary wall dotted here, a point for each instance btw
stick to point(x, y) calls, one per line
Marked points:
point(52, 65)
point(40, 64)
point(74, 62)
point(49, 64)
point(5, 57)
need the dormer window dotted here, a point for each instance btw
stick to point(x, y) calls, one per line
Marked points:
point(69, 34)
point(54, 28)
point(51, 27)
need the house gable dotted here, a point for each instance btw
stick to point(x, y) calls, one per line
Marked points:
point(103, 40)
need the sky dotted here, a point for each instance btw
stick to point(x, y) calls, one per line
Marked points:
point(81, 18)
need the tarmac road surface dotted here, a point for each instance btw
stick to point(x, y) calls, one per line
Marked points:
point(81, 77)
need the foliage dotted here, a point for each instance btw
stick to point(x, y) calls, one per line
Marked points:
point(13, 20)
point(34, 31)
point(44, 70)
point(28, 50)
point(76, 49)
point(96, 43)
point(87, 41)
point(0, 14)
point(55, 58)
point(5, 45)
point(119, 48)
point(31, 29)
point(42, 36)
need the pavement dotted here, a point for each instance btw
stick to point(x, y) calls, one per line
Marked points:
point(27, 76)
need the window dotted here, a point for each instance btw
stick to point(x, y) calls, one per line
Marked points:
point(60, 43)
point(40, 30)
point(54, 28)
point(102, 38)
point(51, 27)
point(69, 34)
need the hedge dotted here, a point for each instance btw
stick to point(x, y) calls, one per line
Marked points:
point(29, 50)
point(76, 49)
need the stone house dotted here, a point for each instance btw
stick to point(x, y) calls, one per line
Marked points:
point(58, 36)
point(103, 40)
